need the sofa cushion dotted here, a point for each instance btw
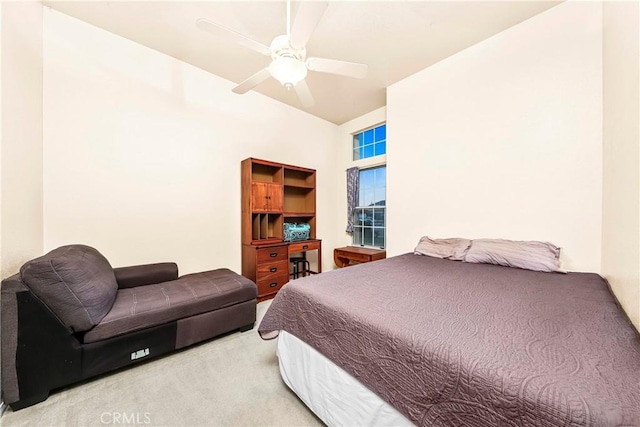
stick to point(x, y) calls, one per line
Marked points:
point(76, 282)
point(146, 306)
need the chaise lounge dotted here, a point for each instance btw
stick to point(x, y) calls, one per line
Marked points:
point(68, 316)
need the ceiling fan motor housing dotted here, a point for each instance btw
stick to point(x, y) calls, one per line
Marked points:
point(281, 48)
point(288, 65)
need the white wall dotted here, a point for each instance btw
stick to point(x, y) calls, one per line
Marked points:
point(142, 152)
point(621, 192)
point(504, 140)
point(21, 134)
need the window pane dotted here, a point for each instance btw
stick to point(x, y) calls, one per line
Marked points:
point(368, 136)
point(367, 200)
point(367, 236)
point(357, 235)
point(367, 178)
point(356, 154)
point(368, 151)
point(378, 197)
point(381, 177)
point(378, 237)
point(359, 218)
point(368, 217)
point(381, 133)
point(378, 218)
point(356, 141)
point(380, 148)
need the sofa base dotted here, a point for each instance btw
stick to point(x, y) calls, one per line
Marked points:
point(48, 356)
point(213, 323)
point(25, 403)
point(248, 327)
point(124, 350)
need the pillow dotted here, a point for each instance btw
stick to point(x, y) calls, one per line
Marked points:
point(532, 255)
point(453, 248)
point(76, 282)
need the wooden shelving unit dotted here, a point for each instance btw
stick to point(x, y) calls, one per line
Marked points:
point(273, 193)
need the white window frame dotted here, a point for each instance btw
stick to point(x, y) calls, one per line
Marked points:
point(369, 163)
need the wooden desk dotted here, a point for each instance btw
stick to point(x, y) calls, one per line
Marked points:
point(268, 265)
point(343, 257)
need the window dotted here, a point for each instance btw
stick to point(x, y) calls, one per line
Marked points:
point(369, 143)
point(369, 222)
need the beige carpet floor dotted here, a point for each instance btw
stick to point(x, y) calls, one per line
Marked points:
point(230, 381)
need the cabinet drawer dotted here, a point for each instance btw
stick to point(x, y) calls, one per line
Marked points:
point(272, 285)
point(270, 255)
point(303, 246)
point(268, 271)
point(354, 256)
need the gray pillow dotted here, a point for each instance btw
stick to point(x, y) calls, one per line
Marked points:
point(531, 255)
point(454, 248)
point(76, 282)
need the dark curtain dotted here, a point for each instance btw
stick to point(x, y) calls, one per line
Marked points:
point(353, 178)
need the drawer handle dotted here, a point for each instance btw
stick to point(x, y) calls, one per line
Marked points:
point(305, 246)
point(274, 269)
point(273, 254)
point(273, 285)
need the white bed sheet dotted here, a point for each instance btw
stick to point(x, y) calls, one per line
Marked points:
point(332, 394)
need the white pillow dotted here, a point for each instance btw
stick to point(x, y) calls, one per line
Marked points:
point(454, 248)
point(531, 255)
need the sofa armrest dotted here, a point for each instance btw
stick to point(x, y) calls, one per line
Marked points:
point(148, 274)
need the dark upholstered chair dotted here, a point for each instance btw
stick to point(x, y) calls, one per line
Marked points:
point(68, 316)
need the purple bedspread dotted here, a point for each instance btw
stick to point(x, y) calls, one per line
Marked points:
point(457, 344)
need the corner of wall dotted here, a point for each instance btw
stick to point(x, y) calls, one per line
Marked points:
point(21, 179)
point(621, 153)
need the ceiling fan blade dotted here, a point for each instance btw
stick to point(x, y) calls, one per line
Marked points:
point(307, 19)
point(231, 35)
point(334, 66)
point(252, 81)
point(304, 94)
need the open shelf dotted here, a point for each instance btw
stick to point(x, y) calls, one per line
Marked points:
point(266, 227)
point(303, 218)
point(266, 173)
point(297, 199)
point(299, 178)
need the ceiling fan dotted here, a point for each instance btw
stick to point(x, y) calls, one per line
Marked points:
point(289, 63)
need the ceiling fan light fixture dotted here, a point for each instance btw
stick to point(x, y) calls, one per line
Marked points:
point(288, 71)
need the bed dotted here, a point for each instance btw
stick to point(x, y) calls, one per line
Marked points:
point(449, 343)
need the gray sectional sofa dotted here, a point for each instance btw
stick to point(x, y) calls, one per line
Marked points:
point(69, 315)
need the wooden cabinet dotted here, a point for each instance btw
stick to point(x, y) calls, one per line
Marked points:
point(272, 194)
point(268, 266)
point(266, 197)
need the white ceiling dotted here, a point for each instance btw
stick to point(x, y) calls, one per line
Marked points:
point(396, 39)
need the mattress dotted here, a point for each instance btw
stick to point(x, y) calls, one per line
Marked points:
point(448, 343)
point(332, 394)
